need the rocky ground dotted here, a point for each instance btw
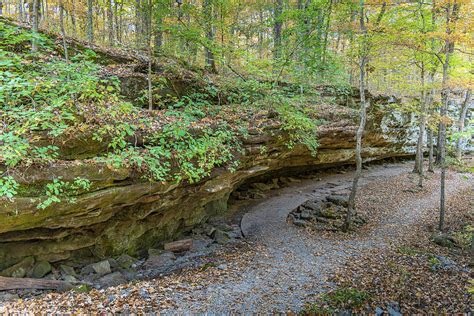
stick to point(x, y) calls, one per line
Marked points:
point(280, 267)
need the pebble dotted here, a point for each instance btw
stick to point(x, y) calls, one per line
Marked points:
point(222, 266)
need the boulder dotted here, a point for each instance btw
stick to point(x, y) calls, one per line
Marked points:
point(113, 263)
point(19, 269)
point(5, 297)
point(19, 273)
point(220, 237)
point(300, 223)
point(161, 262)
point(321, 214)
point(125, 261)
point(153, 252)
point(313, 205)
point(101, 268)
point(444, 240)
point(338, 200)
point(112, 279)
point(40, 269)
point(202, 243)
point(306, 214)
point(67, 270)
point(70, 278)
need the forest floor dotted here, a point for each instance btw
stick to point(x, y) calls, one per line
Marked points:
point(279, 267)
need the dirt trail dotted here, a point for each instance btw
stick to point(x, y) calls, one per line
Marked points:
point(293, 264)
point(287, 264)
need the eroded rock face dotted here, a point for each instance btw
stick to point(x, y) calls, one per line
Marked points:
point(122, 214)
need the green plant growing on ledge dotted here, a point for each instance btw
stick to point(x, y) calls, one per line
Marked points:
point(59, 190)
point(8, 187)
point(300, 126)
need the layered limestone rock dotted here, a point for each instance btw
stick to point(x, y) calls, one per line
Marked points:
point(123, 214)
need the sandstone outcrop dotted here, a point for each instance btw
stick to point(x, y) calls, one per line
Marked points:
point(122, 213)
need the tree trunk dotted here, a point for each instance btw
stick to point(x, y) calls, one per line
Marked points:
point(326, 31)
point(120, 24)
point(150, 57)
point(448, 49)
point(417, 156)
point(110, 23)
point(442, 144)
point(44, 11)
point(34, 44)
point(20, 10)
point(278, 9)
point(138, 24)
point(260, 34)
point(63, 32)
point(360, 130)
point(438, 144)
point(462, 118)
point(421, 135)
point(90, 25)
point(159, 36)
point(430, 101)
point(430, 151)
point(209, 16)
point(27, 283)
point(179, 245)
point(30, 12)
point(73, 17)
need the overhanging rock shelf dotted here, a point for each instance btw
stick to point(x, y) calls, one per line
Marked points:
point(123, 214)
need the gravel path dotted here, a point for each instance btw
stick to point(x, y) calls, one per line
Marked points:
point(293, 264)
point(280, 266)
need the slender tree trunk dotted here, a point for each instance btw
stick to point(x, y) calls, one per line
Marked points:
point(260, 34)
point(30, 12)
point(90, 21)
point(442, 144)
point(46, 13)
point(110, 23)
point(326, 32)
point(430, 151)
point(104, 25)
point(430, 130)
point(120, 23)
point(462, 118)
point(150, 56)
point(73, 17)
point(209, 16)
point(34, 44)
point(278, 10)
point(138, 24)
point(63, 32)
point(159, 35)
point(360, 130)
point(417, 156)
point(438, 145)
point(451, 15)
point(20, 10)
point(116, 21)
point(421, 136)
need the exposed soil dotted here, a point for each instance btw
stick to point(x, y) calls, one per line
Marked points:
point(279, 266)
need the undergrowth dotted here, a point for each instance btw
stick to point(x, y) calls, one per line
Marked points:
point(45, 97)
point(341, 299)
